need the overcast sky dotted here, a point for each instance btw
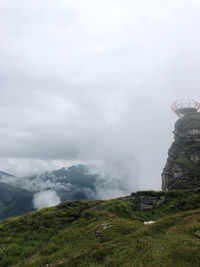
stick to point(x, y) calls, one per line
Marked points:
point(92, 81)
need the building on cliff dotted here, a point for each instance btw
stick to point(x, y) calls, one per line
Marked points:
point(182, 169)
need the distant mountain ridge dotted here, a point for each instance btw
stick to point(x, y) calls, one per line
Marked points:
point(80, 182)
point(14, 201)
point(6, 174)
point(73, 183)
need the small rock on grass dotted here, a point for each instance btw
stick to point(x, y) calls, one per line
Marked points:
point(197, 233)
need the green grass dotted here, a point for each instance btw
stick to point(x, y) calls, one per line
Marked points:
point(106, 233)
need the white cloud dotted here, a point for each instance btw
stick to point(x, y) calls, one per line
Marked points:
point(45, 199)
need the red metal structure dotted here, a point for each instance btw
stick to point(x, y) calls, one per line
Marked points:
point(181, 108)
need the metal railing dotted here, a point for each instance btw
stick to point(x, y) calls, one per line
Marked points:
point(179, 105)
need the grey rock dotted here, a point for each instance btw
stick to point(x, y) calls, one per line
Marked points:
point(197, 233)
point(150, 202)
point(182, 169)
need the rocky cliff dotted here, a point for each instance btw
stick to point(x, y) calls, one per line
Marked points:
point(182, 169)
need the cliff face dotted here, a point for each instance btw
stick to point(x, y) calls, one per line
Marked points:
point(182, 169)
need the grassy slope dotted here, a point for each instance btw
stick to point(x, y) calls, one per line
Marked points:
point(106, 233)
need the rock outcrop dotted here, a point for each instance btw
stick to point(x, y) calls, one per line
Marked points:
point(150, 202)
point(182, 169)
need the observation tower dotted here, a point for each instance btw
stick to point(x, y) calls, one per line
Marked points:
point(182, 108)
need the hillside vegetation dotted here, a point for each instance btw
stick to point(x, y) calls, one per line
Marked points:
point(107, 233)
point(14, 201)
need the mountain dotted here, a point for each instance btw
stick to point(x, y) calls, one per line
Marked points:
point(73, 183)
point(5, 174)
point(17, 193)
point(14, 201)
point(182, 169)
point(117, 232)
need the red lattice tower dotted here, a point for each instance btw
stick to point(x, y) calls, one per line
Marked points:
point(182, 108)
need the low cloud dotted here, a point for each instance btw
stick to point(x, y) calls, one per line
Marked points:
point(118, 175)
point(45, 199)
point(36, 183)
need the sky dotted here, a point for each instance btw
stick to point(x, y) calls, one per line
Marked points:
point(85, 81)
